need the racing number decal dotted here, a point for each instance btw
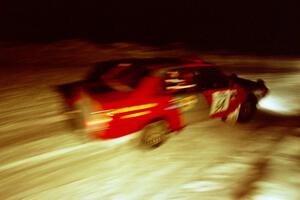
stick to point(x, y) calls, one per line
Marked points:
point(220, 101)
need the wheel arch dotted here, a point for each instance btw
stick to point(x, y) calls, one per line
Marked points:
point(156, 119)
point(251, 97)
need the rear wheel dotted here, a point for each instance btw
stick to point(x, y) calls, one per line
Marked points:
point(155, 133)
point(247, 110)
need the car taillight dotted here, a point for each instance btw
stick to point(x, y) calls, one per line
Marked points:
point(97, 121)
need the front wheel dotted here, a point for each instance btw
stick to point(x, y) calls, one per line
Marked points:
point(155, 133)
point(247, 110)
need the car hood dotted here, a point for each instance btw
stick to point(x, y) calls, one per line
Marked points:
point(249, 84)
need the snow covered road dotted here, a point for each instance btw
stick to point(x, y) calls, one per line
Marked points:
point(42, 159)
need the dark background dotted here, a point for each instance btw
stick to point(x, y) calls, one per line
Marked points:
point(245, 26)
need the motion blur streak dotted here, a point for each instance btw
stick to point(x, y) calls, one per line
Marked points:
point(272, 197)
point(206, 160)
point(99, 121)
point(43, 157)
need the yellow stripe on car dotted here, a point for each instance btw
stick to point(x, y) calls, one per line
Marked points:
point(133, 108)
point(136, 114)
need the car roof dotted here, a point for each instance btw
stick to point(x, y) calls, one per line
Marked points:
point(158, 62)
point(154, 65)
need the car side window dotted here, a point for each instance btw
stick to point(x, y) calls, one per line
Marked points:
point(180, 81)
point(210, 78)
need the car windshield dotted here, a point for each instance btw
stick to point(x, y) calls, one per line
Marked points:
point(210, 78)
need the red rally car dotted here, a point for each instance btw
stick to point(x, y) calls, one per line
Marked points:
point(157, 96)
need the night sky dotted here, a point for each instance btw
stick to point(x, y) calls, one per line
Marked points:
point(236, 26)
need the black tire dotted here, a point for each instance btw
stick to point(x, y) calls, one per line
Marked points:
point(247, 109)
point(155, 133)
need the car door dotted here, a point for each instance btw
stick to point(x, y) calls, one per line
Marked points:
point(223, 97)
point(187, 98)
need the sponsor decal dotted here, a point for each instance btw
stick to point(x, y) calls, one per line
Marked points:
point(185, 103)
point(175, 80)
point(179, 87)
point(220, 101)
point(233, 116)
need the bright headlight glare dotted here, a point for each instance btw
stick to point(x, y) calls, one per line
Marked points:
point(275, 104)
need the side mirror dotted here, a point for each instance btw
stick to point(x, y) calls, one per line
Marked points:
point(260, 81)
point(233, 76)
